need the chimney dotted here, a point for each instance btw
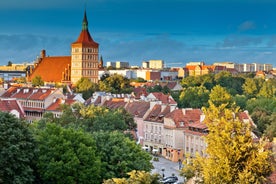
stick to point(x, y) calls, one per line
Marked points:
point(43, 53)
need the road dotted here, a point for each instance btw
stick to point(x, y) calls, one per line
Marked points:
point(170, 168)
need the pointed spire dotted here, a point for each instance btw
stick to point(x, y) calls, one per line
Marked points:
point(84, 22)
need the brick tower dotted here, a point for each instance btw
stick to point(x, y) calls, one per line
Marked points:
point(84, 56)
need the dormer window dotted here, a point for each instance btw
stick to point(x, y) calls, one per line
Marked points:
point(181, 123)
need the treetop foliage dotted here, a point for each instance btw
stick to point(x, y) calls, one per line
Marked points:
point(231, 150)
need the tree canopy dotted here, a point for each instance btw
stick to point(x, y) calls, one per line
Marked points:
point(115, 84)
point(67, 156)
point(231, 151)
point(17, 150)
point(86, 87)
point(37, 81)
point(120, 155)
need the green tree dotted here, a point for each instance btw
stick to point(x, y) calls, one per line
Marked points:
point(231, 150)
point(270, 131)
point(86, 87)
point(268, 89)
point(251, 87)
point(120, 155)
point(194, 97)
point(67, 156)
point(115, 84)
point(190, 81)
point(137, 177)
point(219, 95)
point(37, 81)
point(17, 150)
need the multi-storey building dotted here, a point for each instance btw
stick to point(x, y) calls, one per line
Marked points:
point(175, 123)
point(156, 64)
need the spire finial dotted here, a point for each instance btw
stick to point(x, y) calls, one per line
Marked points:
point(84, 22)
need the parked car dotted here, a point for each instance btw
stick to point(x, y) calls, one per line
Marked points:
point(169, 180)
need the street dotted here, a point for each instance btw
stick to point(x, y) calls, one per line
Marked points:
point(166, 167)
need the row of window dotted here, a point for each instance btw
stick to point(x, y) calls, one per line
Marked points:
point(90, 73)
point(32, 104)
point(89, 50)
point(85, 64)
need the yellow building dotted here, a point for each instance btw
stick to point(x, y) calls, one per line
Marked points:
point(156, 64)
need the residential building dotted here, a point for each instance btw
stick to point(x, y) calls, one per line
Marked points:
point(36, 101)
point(156, 64)
point(12, 106)
point(175, 123)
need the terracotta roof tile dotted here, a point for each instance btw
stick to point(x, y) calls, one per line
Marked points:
point(114, 103)
point(187, 116)
point(138, 108)
point(158, 113)
point(165, 99)
point(86, 40)
point(51, 68)
point(8, 105)
point(55, 106)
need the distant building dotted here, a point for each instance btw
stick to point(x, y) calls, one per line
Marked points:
point(195, 63)
point(14, 71)
point(246, 67)
point(156, 64)
point(145, 64)
point(117, 64)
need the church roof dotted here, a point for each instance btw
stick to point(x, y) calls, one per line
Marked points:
point(85, 38)
point(51, 68)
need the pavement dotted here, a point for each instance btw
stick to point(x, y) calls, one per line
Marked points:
point(169, 168)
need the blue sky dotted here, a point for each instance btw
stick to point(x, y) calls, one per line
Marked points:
point(177, 31)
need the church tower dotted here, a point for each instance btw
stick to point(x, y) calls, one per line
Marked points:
point(84, 56)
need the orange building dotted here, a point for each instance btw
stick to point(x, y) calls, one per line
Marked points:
point(83, 62)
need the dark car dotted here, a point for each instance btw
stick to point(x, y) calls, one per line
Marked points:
point(169, 180)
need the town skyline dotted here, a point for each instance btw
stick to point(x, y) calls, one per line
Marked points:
point(135, 31)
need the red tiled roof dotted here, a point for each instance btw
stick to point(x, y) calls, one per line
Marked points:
point(157, 114)
point(138, 91)
point(40, 94)
point(8, 105)
point(165, 99)
point(11, 91)
point(85, 39)
point(55, 106)
point(114, 103)
point(51, 68)
point(138, 108)
point(28, 93)
point(187, 116)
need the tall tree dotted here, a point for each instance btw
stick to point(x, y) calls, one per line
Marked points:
point(86, 87)
point(17, 150)
point(252, 86)
point(67, 156)
point(115, 84)
point(120, 155)
point(231, 150)
point(194, 97)
point(219, 95)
